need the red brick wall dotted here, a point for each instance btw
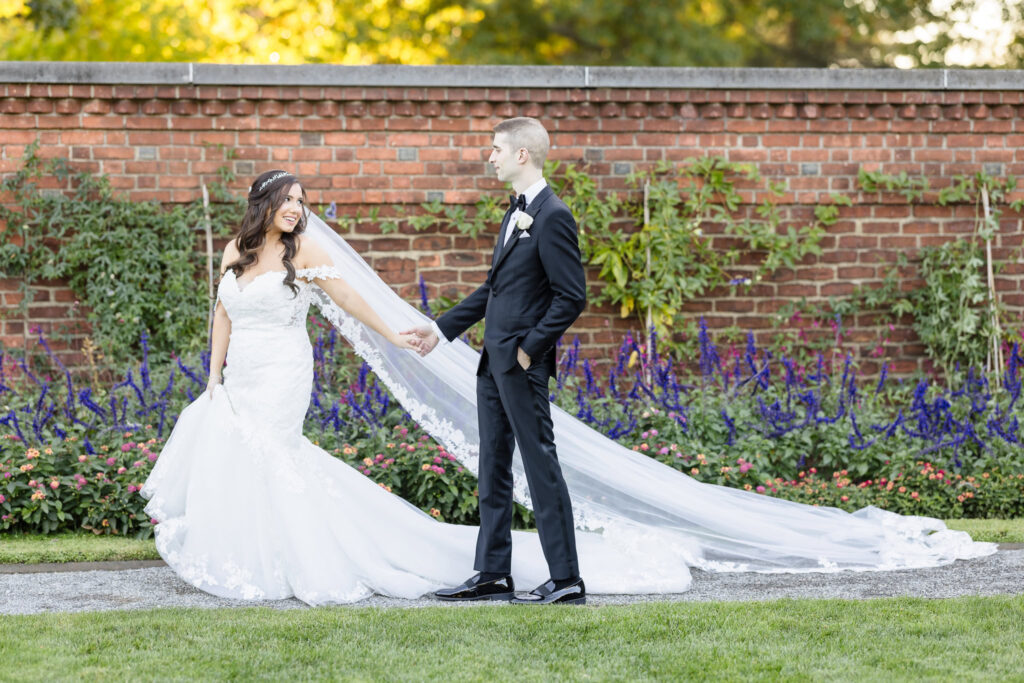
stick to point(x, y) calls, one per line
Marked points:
point(361, 147)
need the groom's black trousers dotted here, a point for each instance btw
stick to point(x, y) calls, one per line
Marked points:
point(513, 408)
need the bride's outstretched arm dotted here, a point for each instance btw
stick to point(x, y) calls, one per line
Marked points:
point(319, 269)
point(353, 304)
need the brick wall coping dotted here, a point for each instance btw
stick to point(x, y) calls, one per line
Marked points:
point(157, 73)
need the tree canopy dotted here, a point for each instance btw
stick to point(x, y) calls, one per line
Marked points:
point(779, 33)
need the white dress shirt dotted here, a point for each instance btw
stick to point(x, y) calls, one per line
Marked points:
point(530, 193)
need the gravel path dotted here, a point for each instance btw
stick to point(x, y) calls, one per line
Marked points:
point(148, 587)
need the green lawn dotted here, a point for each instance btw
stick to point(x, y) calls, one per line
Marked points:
point(899, 639)
point(72, 547)
point(995, 530)
point(971, 638)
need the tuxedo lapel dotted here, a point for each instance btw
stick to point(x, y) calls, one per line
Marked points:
point(532, 210)
point(498, 246)
point(504, 252)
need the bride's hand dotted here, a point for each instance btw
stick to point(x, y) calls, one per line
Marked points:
point(426, 336)
point(213, 382)
point(406, 341)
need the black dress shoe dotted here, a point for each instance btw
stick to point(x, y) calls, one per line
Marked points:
point(551, 593)
point(476, 589)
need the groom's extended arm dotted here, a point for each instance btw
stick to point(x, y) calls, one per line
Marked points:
point(456, 321)
point(560, 256)
point(466, 313)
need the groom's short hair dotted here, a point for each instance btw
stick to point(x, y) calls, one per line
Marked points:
point(529, 133)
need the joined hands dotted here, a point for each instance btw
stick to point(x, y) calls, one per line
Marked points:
point(423, 339)
point(407, 340)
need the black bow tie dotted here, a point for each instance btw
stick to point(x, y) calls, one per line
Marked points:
point(517, 202)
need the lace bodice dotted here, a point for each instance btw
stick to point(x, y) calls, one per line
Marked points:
point(269, 368)
point(263, 301)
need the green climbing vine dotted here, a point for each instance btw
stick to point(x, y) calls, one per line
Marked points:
point(134, 266)
point(956, 312)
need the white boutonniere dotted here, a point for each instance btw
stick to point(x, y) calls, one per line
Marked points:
point(523, 222)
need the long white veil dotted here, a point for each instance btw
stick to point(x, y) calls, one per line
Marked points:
point(616, 491)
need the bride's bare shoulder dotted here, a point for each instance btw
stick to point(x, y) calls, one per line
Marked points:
point(310, 254)
point(230, 254)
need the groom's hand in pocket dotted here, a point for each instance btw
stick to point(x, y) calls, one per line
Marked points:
point(523, 358)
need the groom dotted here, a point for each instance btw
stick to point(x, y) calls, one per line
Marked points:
point(534, 291)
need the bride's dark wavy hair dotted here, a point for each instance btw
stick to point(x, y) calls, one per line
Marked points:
point(266, 195)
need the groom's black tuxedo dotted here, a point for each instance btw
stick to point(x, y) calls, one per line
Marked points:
point(534, 291)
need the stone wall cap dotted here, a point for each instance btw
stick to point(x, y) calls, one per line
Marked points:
point(496, 76)
point(391, 76)
point(979, 79)
point(766, 78)
point(97, 73)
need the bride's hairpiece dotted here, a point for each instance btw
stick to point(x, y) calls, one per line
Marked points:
point(276, 176)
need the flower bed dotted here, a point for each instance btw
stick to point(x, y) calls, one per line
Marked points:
point(74, 453)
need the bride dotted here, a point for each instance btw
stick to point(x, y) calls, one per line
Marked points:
point(249, 508)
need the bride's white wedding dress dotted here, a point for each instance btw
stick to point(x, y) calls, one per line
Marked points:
point(249, 508)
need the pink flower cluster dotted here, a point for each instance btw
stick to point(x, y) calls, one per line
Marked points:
point(438, 460)
point(379, 460)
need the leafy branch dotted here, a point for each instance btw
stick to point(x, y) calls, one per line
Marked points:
point(133, 265)
point(956, 308)
point(667, 259)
